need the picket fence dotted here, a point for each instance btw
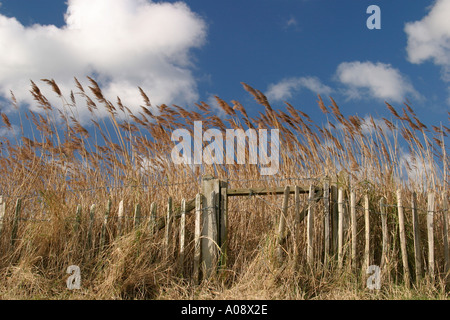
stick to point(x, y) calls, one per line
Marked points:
point(340, 232)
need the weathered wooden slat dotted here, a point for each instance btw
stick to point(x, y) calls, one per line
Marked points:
point(402, 234)
point(334, 219)
point(310, 228)
point(340, 228)
point(182, 234)
point(282, 225)
point(168, 230)
point(209, 236)
point(197, 237)
point(367, 232)
point(120, 219)
point(210, 225)
point(384, 230)
point(296, 222)
point(354, 227)
point(417, 244)
point(327, 226)
point(430, 228)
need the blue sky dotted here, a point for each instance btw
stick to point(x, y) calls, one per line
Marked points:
point(289, 49)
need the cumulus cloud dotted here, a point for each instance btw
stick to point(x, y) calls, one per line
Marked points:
point(286, 88)
point(378, 80)
point(122, 43)
point(429, 38)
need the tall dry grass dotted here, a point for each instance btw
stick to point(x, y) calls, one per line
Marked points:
point(55, 162)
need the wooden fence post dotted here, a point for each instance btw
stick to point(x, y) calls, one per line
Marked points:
point(182, 234)
point(327, 229)
point(210, 243)
point(430, 228)
point(210, 219)
point(215, 224)
point(15, 226)
point(384, 230)
point(310, 227)
point(367, 232)
point(402, 234)
point(197, 237)
point(120, 219)
point(282, 226)
point(168, 230)
point(340, 228)
point(417, 244)
point(354, 227)
point(297, 221)
point(335, 219)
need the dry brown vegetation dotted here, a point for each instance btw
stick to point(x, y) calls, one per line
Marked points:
point(55, 163)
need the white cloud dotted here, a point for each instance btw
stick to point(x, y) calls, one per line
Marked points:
point(285, 89)
point(429, 38)
point(123, 43)
point(379, 80)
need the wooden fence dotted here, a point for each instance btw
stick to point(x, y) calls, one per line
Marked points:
point(339, 218)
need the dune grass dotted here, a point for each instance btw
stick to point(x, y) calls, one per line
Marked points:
point(54, 161)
